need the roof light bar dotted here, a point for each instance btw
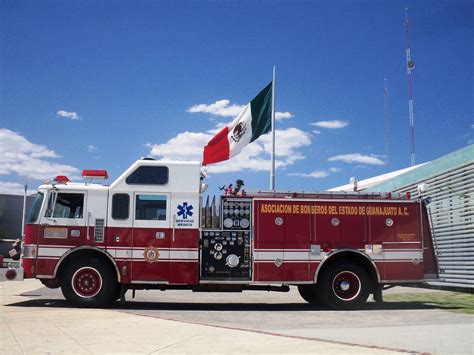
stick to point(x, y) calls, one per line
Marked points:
point(95, 174)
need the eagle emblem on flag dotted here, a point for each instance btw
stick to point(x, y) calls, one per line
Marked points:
point(238, 131)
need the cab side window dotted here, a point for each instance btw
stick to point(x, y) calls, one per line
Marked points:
point(68, 205)
point(150, 207)
point(120, 206)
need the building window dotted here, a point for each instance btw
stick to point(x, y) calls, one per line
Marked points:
point(149, 175)
point(150, 207)
point(67, 206)
point(120, 206)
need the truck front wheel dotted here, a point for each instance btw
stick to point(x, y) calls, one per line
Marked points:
point(89, 283)
point(310, 293)
point(346, 286)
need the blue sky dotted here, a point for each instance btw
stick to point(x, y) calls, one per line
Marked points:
point(99, 84)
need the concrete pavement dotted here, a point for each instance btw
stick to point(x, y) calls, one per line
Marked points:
point(40, 329)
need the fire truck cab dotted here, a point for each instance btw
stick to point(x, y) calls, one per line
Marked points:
point(146, 231)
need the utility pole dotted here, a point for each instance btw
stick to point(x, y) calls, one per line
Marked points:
point(386, 121)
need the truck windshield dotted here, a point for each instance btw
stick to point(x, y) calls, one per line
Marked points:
point(35, 208)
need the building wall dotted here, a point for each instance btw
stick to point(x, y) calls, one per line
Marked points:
point(449, 184)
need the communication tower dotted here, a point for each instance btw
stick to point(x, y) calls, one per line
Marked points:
point(410, 67)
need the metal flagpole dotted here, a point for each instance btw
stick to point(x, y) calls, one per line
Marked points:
point(272, 173)
point(24, 211)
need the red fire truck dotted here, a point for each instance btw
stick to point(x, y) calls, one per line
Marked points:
point(146, 231)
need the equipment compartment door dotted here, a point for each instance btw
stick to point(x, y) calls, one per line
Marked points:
point(269, 240)
point(404, 256)
point(151, 237)
point(296, 265)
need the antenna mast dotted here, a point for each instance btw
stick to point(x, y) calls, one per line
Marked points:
point(386, 120)
point(410, 67)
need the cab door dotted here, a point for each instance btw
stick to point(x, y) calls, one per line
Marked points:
point(64, 220)
point(62, 227)
point(151, 236)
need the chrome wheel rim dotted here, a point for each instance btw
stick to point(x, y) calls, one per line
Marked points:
point(86, 282)
point(346, 286)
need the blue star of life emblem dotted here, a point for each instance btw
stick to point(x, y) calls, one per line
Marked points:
point(185, 210)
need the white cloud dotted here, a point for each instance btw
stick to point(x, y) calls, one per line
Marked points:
point(65, 114)
point(315, 174)
point(224, 108)
point(315, 131)
point(318, 174)
point(287, 142)
point(20, 156)
point(91, 148)
point(472, 126)
point(357, 158)
point(283, 115)
point(185, 146)
point(217, 128)
point(12, 145)
point(330, 124)
point(219, 108)
point(255, 156)
point(13, 188)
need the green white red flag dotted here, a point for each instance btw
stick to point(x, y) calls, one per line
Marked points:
point(251, 123)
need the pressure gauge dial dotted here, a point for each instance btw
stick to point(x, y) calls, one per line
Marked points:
point(244, 223)
point(232, 260)
point(228, 222)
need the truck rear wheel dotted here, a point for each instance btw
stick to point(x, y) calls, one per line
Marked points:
point(346, 286)
point(89, 283)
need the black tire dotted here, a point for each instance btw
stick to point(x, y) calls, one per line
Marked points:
point(346, 286)
point(117, 292)
point(89, 283)
point(51, 283)
point(310, 294)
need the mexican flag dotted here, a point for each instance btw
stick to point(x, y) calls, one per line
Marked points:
point(251, 123)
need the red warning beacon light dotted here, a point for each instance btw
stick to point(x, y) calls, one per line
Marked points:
point(95, 174)
point(61, 179)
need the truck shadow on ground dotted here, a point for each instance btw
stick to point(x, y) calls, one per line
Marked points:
point(230, 307)
point(44, 297)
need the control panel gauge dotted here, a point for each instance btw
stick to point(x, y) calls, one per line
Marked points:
point(232, 260)
point(228, 223)
point(244, 223)
point(225, 255)
point(236, 213)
